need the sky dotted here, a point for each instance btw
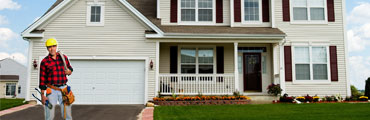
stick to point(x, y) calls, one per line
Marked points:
point(17, 15)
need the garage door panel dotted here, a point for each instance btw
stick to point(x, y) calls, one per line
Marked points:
point(108, 82)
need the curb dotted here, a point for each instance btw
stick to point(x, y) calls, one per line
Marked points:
point(15, 109)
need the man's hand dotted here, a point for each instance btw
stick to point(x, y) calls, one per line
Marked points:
point(43, 99)
point(68, 72)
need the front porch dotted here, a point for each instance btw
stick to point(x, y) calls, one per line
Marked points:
point(217, 68)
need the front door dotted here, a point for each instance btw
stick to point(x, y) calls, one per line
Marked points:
point(252, 72)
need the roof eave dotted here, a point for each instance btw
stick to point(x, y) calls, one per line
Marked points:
point(217, 36)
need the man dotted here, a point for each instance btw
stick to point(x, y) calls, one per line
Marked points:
point(52, 72)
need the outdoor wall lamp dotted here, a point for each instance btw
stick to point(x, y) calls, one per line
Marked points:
point(34, 64)
point(151, 64)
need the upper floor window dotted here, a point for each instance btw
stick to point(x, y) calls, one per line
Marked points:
point(197, 10)
point(309, 10)
point(252, 11)
point(95, 14)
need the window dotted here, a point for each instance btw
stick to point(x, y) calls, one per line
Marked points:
point(197, 60)
point(311, 63)
point(252, 11)
point(10, 89)
point(197, 10)
point(309, 10)
point(95, 14)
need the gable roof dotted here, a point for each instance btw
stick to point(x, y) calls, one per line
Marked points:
point(146, 10)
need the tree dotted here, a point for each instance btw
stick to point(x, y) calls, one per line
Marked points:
point(367, 87)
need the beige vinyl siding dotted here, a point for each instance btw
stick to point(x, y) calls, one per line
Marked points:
point(121, 36)
point(165, 10)
point(164, 56)
point(332, 34)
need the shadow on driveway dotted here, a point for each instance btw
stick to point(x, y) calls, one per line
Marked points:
point(81, 112)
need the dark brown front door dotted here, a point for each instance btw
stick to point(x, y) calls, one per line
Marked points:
point(252, 72)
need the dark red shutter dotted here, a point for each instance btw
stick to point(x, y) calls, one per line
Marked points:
point(237, 11)
point(286, 10)
point(331, 14)
point(220, 59)
point(288, 63)
point(333, 63)
point(219, 11)
point(173, 11)
point(265, 10)
point(173, 59)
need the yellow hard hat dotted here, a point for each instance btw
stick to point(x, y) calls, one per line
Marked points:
point(51, 42)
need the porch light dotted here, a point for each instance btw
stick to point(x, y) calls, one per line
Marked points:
point(151, 64)
point(34, 64)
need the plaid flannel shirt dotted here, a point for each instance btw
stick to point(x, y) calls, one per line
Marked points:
point(52, 71)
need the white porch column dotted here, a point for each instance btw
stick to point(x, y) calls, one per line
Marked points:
point(236, 71)
point(156, 68)
point(276, 61)
point(282, 69)
point(29, 70)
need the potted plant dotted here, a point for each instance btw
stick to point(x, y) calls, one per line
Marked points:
point(274, 89)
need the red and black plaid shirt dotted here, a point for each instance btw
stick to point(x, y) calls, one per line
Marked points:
point(52, 71)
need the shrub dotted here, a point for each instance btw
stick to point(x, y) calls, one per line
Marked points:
point(300, 98)
point(316, 98)
point(367, 87)
point(285, 98)
point(363, 98)
point(355, 93)
point(274, 89)
point(308, 98)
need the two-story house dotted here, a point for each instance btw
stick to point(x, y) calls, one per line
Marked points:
point(129, 51)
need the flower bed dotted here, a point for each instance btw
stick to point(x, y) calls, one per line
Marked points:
point(203, 100)
point(316, 99)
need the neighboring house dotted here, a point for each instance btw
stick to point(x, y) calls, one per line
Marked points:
point(126, 51)
point(13, 79)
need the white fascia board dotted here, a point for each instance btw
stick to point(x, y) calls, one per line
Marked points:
point(141, 16)
point(33, 35)
point(220, 36)
point(37, 23)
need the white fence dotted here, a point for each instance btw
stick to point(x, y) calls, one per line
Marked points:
point(193, 84)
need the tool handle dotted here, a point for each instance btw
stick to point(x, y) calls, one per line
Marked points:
point(38, 90)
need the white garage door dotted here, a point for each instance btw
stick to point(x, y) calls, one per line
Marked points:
point(107, 82)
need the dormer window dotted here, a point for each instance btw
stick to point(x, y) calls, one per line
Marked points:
point(193, 11)
point(95, 14)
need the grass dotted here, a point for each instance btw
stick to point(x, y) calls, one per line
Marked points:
point(9, 103)
point(328, 111)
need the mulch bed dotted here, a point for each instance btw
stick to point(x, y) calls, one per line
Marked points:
point(201, 102)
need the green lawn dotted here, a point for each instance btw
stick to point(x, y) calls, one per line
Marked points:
point(332, 111)
point(8, 103)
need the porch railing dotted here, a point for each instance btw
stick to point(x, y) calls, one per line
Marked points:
point(193, 84)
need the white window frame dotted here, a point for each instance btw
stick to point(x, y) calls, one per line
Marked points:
point(15, 92)
point(311, 81)
point(88, 13)
point(196, 58)
point(260, 14)
point(196, 22)
point(308, 21)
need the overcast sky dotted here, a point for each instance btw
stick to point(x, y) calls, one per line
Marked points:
point(17, 15)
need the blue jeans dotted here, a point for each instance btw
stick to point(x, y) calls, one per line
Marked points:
point(54, 97)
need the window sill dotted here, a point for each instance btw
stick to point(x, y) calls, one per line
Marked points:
point(196, 23)
point(311, 82)
point(94, 24)
point(309, 22)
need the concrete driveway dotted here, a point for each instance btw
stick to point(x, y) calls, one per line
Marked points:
point(81, 112)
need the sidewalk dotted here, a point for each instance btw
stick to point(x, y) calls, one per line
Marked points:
point(147, 114)
point(15, 109)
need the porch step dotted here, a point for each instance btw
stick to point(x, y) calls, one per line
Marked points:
point(262, 99)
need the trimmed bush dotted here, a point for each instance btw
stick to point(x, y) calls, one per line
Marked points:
point(367, 87)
